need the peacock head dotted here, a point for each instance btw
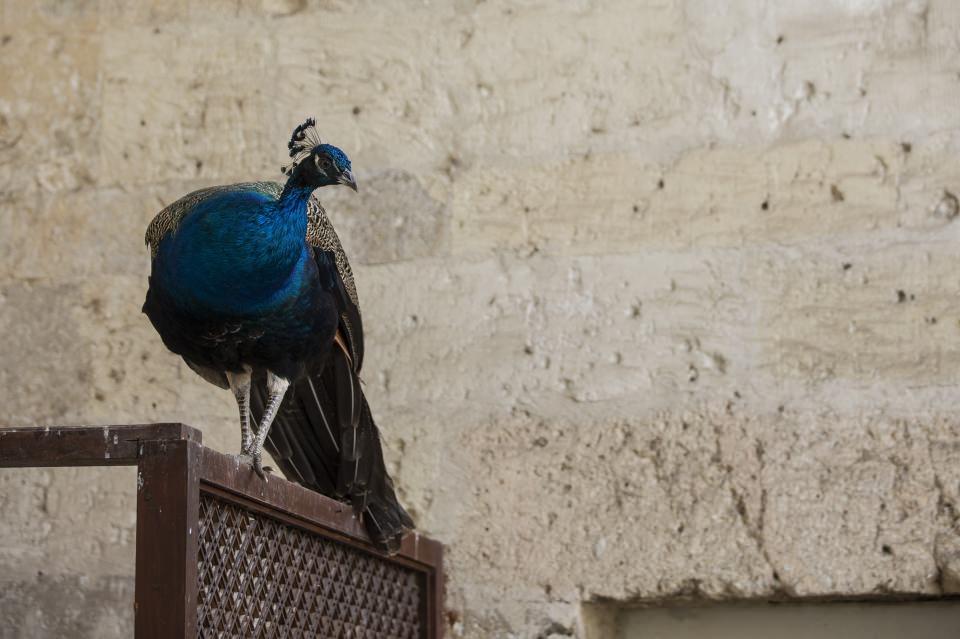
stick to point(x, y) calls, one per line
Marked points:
point(316, 164)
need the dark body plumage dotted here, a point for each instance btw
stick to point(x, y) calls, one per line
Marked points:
point(253, 277)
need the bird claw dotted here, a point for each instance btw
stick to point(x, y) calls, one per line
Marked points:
point(257, 463)
point(260, 469)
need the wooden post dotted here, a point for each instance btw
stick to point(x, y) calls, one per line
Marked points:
point(168, 510)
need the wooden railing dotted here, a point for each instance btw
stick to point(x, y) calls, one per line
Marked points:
point(221, 553)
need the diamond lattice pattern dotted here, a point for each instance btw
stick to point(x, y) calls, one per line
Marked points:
point(263, 578)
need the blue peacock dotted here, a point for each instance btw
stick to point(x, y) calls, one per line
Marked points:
point(250, 286)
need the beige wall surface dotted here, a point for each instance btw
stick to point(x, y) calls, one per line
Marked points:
point(662, 296)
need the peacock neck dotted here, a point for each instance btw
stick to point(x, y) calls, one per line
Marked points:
point(290, 221)
point(294, 197)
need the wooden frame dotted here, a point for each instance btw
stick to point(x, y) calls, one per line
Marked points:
point(173, 470)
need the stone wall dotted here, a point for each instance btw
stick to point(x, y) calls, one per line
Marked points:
point(662, 296)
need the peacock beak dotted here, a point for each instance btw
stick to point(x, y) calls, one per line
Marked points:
point(346, 178)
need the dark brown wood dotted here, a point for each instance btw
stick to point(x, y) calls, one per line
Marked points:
point(173, 469)
point(168, 494)
point(436, 592)
point(226, 477)
point(84, 445)
point(277, 495)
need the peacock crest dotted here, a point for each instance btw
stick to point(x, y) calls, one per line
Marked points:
point(302, 142)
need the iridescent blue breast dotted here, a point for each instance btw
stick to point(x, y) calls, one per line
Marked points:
point(235, 252)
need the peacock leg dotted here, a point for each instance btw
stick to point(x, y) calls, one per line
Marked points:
point(276, 388)
point(240, 386)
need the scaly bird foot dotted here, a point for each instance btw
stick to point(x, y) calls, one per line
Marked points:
point(257, 462)
point(260, 469)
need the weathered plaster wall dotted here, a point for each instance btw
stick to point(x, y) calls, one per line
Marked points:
point(662, 296)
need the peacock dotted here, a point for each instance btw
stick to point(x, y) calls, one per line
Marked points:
point(250, 285)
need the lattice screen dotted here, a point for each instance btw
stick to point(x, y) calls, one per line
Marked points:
point(260, 578)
